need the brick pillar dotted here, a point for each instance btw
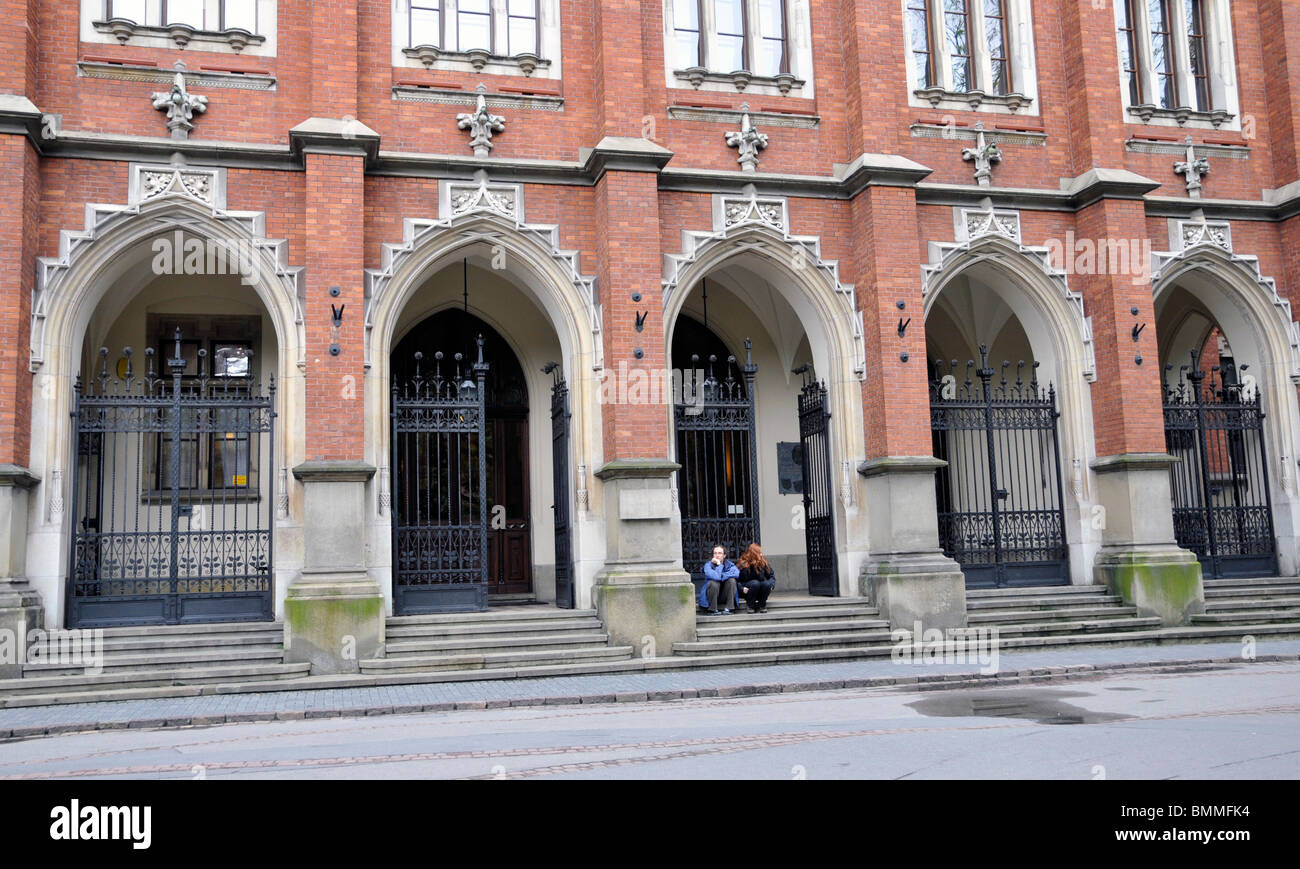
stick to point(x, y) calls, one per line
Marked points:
point(334, 610)
point(906, 575)
point(20, 605)
point(1139, 558)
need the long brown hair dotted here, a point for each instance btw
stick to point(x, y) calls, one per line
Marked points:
point(753, 558)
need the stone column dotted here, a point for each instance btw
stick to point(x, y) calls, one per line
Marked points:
point(334, 610)
point(906, 574)
point(1139, 559)
point(643, 592)
point(20, 605)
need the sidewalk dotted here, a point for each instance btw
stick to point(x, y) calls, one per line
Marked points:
point(1015, 668)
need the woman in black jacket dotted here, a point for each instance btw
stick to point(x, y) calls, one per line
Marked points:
point(756, 579)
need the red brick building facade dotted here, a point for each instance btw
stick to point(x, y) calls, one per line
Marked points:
point(992, 177)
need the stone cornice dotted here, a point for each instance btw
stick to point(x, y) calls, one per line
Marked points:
point(334, 136)
point(19, 116)
point(320, 471)
point(886, 170)
point(1133, 462)
point(623, 154)
point(17, 477)
point(159, 149)
point(900, 465)
point(637, 468)
point(1100, 183)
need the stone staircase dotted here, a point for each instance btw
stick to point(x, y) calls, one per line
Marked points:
point(1069, 610)
point(1255, 601)
point(163, 656)
point(517, 636)
point(791, 625)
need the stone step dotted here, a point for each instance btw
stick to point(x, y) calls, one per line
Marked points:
point(1250, 617)
point(1055, 614)
point(494, 660)
point(77, 686)
point(506, 614)
point(1263, 604)
point(564, 640)
point(1252, 582)
point(151, 644)
point(804, 616)
point(406, 633)
point(716, 627)
point(200, 630)
point(805, 641)
point(1036, 590)
point(1083, 626)
point(1266, 591)
point(163, 660)
point(1040, 602)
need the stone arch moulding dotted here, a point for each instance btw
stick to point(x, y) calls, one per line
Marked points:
point(164, 197)
point(993, 235)
point(761, 224)
point(480, 211)
point(1201, 244)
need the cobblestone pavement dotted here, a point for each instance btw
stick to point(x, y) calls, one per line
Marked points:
point(28, 722)
point(1224, 721)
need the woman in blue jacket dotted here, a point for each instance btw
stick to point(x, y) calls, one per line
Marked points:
point(720, 582)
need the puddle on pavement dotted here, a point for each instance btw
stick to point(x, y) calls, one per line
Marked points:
point(1044, 706)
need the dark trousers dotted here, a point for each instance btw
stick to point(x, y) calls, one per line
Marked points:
point(756, 592)
point(727, 588)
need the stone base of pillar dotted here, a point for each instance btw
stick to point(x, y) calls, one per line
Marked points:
point(21, 610)
point(334, 611)
point(333, 624)
point(1139, 559)
point(907, 576)
point(644, 599)
point(648, 610)
point(929, 589)
point(1159, 581)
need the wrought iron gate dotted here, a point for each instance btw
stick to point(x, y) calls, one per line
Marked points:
point(1000, 497)
point(560, 487)
point(171, 493)
point(718, 481)
point(1220, 487)
point(440, 509)
point(818, 495)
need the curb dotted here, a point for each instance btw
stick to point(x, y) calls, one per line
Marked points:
point(923, 682)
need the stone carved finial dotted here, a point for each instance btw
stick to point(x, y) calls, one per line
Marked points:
point(748, 141)
point(180, 106)
point(481, 125)
point(1193, 169)
point(983, 155)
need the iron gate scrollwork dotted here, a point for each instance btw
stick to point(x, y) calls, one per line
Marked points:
point(818, 493)
point(560, 415)
point(440, 509)
point(172, 502)
point(1000, 498)
point(716, 448)
point(1214, 425)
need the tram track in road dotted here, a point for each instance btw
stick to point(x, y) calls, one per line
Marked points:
point(645, 751)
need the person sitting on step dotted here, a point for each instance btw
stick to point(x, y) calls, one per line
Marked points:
point(757, 579)
point(719, 582)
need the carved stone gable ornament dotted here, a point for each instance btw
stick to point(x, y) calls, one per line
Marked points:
point(748, 141)
point(481, 125)
point(180, 105)
point(983, 155)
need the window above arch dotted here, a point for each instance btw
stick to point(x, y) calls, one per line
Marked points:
point(226, 26)
point(502, 37)
point(971, 55)
point(1176, 63)
point(754, 46)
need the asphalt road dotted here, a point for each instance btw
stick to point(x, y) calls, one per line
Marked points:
point(1221, 722)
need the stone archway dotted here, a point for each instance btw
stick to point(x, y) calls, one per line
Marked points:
point(1032, 297)
point(485, 228)
point(100, 268)
point(1205, 286)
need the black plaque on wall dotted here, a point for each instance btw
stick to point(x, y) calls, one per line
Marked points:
point(789, 464)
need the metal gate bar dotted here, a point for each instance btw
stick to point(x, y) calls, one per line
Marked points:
point(1000, 499)
point(560, 415)
point(818, 493)
point(1222, 504)
point(440, 509)
point(172, 523)
point(717, 451)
